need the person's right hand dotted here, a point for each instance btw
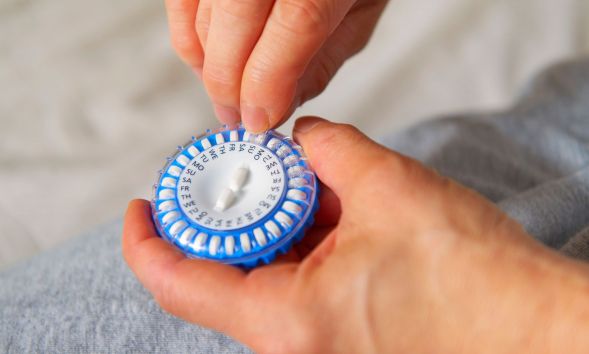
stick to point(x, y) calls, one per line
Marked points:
point(414, 263)
point(261, 59)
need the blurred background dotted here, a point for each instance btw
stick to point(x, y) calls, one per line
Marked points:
point(93, 98)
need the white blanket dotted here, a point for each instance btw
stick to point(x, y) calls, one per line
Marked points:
point(93, 98)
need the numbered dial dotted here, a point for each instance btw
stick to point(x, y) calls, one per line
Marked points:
point(235, 197)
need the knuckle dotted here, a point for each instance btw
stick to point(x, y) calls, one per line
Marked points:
point(166, 294)
point(265, 71)
point(260, 70)
point(203, 22)
point(330, 138)
point(220, 81)
point(202, 28)
point(401, 169)
point(239, 8)
point(326, 69)
point(303, 16)
point(183, 44)
point(406, 178)
point(402, 164)
point(349, 133)
point(162, 297)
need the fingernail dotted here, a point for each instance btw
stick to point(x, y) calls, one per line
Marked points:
point(227, 115)
point(255, 119)
point(305, 124)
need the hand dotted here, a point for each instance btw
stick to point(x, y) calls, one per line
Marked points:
point(261, 59)
point(412, 262)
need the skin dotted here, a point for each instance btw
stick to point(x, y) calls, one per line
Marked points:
point(401, 260)
point(261, 59)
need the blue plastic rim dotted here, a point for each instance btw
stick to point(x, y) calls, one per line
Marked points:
point(254, 244)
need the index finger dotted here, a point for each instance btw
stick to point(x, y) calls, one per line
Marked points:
point(294, 32)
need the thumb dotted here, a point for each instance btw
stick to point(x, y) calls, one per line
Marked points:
point(342, 156)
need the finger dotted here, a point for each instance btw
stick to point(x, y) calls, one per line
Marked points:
point(139, 235)
point(294, 32)
point(181, 18)
point(200, 291)
point(319, 253)
point(203, 20)
point(234, 30)
point(329, 210)
point(349, 38)
point(342, 156)
point(313, 238)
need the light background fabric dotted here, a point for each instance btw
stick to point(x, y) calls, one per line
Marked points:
point(93, 98)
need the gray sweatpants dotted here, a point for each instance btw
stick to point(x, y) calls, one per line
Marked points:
point(532, 160)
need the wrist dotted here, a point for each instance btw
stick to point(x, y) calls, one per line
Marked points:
point(510, 297)
point(545, 297)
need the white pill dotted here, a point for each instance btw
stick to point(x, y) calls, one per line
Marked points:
point(260, 236)
point(166, 194)
point(296, 194)
point(297, 182)
point(260, 138)
point(283, 151)
point(186, 236)
point(283, 219)
point(273, 144)
point(220, 138)
point(214, 245)
point(239, 178)
point(205, 143)
point(292, 208)
point(167, 205)
point(246, 245)
point(192, 150)
point(234, 135)
point(177, 227)
point(174, 170)
point(229, 245)
point(169, 217)
point(290, 160)
point(199, 241)
point(225, 200)
point(296, 171)
point(246, 136)
point(182, 160)
point(299, 149)
point(169, 182)
point(273, 229)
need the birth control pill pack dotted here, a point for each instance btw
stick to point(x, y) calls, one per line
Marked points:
point(235, 197)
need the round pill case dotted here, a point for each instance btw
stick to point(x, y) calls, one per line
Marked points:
point(235, 197)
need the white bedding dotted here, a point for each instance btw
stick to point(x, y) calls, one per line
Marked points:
point(93, 98)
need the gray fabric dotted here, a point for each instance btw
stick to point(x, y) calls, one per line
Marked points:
point(532, 160)
point(82, 298)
